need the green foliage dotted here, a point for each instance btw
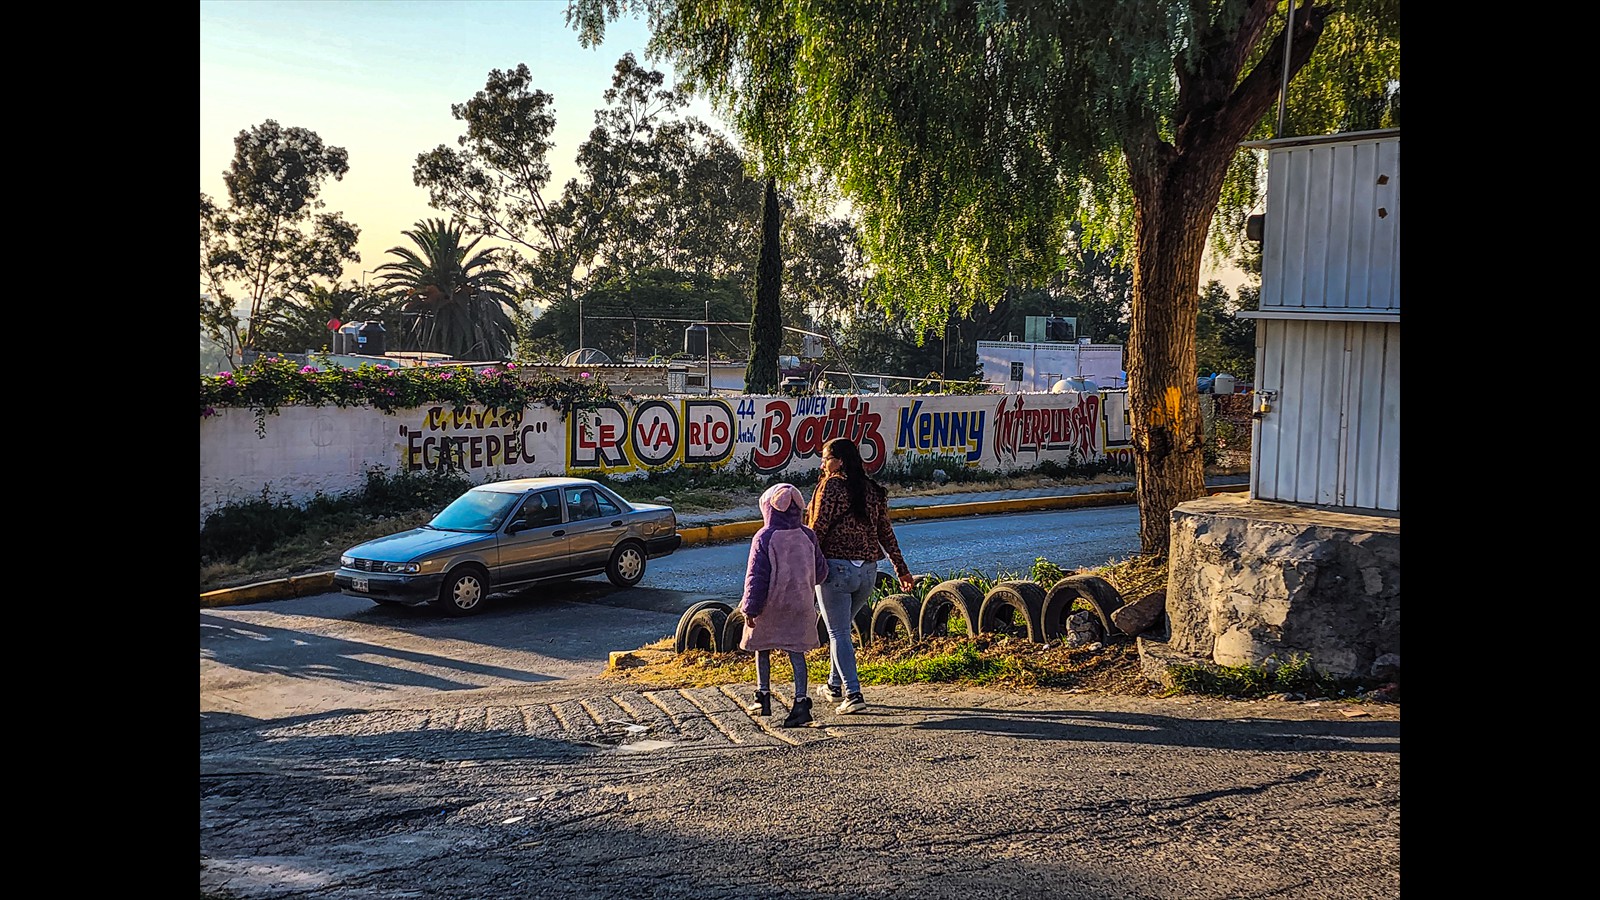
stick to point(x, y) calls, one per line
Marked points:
point(455, 296)
point(272, 382)
point(1296, 675)
point(766, 316)
point(264, 524)
point(1077, 468)
point(269, 241)
point(964, 664)
point(919, 468)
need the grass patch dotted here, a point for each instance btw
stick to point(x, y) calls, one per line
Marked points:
point(1296, 676)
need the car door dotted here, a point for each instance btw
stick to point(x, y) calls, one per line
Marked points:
point(594, 524)
point(534, 542)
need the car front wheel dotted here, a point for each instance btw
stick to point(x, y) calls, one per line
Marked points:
point(464, 591)
point(626, 566)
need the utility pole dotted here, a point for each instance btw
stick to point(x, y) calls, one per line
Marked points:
point(708, 346)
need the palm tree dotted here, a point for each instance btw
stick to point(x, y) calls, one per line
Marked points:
point(455, 296)
point(293, 324)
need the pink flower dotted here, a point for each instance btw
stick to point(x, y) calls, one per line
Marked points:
point(307, 370)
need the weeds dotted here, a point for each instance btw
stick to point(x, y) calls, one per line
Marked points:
point(1295, 675)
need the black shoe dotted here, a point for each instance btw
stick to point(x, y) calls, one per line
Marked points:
point(763, 704)
point(799, 714)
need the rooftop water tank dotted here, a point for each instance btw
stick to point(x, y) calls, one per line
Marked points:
point(1222, 383)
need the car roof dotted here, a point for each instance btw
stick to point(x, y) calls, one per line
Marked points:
point(519, 485)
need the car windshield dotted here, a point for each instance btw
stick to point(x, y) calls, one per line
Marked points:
point(475, 511)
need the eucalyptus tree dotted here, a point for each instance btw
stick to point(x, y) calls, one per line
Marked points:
point(969, 136)
point(498, 180)
point(269, 241)
point(454, 297)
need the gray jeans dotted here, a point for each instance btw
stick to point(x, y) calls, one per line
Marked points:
point(847, 590)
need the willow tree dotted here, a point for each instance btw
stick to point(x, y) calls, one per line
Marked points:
point(970, 136)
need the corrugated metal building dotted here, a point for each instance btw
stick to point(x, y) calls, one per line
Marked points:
point(1327, 390)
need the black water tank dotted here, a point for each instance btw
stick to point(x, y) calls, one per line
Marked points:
point(370, 336)
point(694, 341)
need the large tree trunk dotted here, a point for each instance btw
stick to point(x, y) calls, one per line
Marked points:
point(1168, 432)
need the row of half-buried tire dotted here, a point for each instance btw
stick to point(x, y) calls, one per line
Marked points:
point(950, 608)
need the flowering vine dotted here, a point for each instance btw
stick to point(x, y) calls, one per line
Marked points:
point(272, 382)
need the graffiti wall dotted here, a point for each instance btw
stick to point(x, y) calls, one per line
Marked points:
point(311, 450)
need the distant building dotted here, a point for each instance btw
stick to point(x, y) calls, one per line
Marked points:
point(1040, 364)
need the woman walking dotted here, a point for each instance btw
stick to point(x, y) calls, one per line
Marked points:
point(850, 514)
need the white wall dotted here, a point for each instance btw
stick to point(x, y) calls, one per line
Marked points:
point(307, 450)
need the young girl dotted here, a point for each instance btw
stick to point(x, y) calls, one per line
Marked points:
point(779, 604)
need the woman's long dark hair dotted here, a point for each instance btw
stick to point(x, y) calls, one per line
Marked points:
point(856, 480)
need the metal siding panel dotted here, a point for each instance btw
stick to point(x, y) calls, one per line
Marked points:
point(1328, 374)
point(1266, 467)
point(1298, 166)
point(1342, 206)
point(1362, 185)
point(1298, 400)
point(1361, 441)
point(1274, 237)
point(1385, 256)
point(1388, 454)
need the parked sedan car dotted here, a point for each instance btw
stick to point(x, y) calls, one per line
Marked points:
point(511, 534)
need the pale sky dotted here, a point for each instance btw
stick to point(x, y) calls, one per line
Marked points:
point(378, 77)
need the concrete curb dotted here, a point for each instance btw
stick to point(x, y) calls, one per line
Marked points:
point(322, 582)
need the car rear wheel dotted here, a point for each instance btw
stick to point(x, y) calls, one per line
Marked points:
point(464, 591)
point(626, 566)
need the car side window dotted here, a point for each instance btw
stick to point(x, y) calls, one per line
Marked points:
point(543, 508)
point(607, 508)
point(581, 504)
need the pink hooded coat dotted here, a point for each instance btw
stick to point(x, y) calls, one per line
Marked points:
point(786, 565)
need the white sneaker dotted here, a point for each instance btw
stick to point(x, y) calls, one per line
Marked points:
point(853, 703)
point(830, 693)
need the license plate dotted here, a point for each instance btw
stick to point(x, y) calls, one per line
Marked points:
point(359, 584)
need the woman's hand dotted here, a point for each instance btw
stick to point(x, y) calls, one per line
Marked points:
point(907, 583)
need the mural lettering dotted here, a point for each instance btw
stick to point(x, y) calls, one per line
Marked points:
point(495, 438)
point(951, 432)
point(1026, 429)
point(783, 436)
point(656, 433)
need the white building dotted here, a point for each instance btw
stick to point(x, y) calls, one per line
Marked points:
point(1013, 366)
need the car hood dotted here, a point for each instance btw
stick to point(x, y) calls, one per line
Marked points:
point(408, 545)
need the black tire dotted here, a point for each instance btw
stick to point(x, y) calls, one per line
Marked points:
point(464, 591)
point(733, 633)
point(894, 618)
point(626, 566)
point(681, 638)
point(1013, 608)
point(947, 600)
point(704, 631)
point(1095, 592)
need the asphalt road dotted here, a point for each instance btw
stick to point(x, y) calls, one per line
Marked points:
point(350, 752)
point(332, 651)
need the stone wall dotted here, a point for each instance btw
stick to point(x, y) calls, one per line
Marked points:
point(1249, 579)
